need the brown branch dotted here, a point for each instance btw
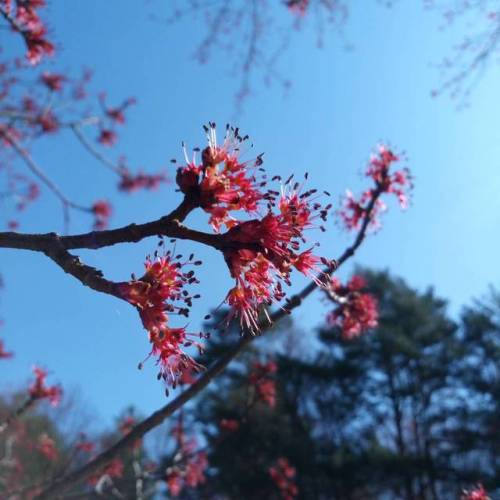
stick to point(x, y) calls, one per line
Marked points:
point(53, 490)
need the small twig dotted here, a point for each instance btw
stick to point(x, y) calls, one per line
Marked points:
point(38, 172)
point(94, 152)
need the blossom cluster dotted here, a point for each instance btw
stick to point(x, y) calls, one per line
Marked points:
point(354, 211)
point(102, 211)
point(261, 252)
point(112, 116)
point(40, 390)
point(283, 475)
point(356, 311)
point(45, 106)
point(189, 465)
point(155, 295)
point(113, 469)
point(478, 493)
point(262, 380)
point(47, 447)
point(24, 18)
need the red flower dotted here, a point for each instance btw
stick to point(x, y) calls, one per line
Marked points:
point(356, 312)
point(229, 424)
point(38, 390)
point(261, 378)
point(48, 122)
point(283, 474)
point(222, 183)
point(102, 212)
point(479, 493)
point(53, 81)
point(113, 469)
point(189, 465)
point(153, 294)
point(107, 137)
point(3, 353)
point(378, 170)
point(47, 447)
point(84, 445)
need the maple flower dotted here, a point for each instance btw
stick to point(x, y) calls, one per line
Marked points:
point(53, 81)
point(39, 390)
point(3, 353)
point(283, 474)
point(107, 137)
point(356, 312)
point(27, 22)
point(48, 122)
point(113, 469)
point(116, 114)
point(379, 170)
point(154, 295)
point(229, 424)
point(102, 212)
point(84, 446)
point(478, 493)
point(47, 447)
point(261, 252)
point(261, 378)
point(222, 183)
point(189, 464)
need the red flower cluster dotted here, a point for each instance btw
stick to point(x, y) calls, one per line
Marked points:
point(24, 19)
point(102, 212)
point(112, 470)
point(113, 116)
point(38, 390)
point(221, 183)
point(3, 353)
point(260, 253)
point(261, 378)
point(116, 114)
point(356, 311)
point(107, 137)
point(153, 295)
point(283, 475)
point(353, 212)
point(84, 446)
point(53, 81)
point(189, 465)
point(478, 493)
point(47, 447)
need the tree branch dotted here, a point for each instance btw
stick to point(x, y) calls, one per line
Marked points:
point(53, 490)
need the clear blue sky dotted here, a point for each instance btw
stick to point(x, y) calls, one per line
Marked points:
point(341, 104)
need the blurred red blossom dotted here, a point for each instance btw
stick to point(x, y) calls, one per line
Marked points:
point(356, 312)
point(39, 389)
point(283, 475)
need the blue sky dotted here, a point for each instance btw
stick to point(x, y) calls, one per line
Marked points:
point(341, 104)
